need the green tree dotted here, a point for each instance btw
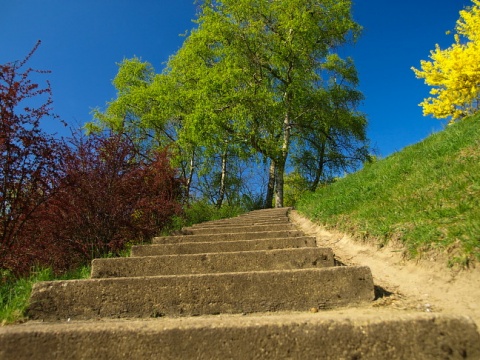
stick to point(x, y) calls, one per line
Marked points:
point(333, 139)
point(253, 80)
point(250, 65)
point(135, 105)
point(148, 113)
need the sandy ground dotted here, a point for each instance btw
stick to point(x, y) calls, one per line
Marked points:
point(427, 286)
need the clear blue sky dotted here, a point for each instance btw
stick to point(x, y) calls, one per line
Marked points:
point(82, 40)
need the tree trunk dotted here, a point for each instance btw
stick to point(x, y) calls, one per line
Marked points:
point(320, 165)
point(280, 163)
point(189, 178)
point(271, 186)
point(221, 194)
point(279, 174)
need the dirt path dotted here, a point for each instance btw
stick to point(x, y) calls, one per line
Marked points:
point(414, 285)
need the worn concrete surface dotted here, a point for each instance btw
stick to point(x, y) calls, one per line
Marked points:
point(190, 295)
point(371, 335)
point(223, 246)
point(226, 237)
point(262, 260)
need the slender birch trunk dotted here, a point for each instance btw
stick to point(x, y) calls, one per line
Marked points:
point(221, 194)
point(271, 185)
point(280, 164)
point(189, 178)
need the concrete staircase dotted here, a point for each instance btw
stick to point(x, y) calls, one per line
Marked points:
point(248, 287)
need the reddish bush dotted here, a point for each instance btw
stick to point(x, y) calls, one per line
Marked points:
point(61, 206)
point(106, 199)
point(29, 158)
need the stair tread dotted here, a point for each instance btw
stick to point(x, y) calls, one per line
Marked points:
point(224, 246)
point(346, 333)
point(239, 261)
point(227, 236)
point(188, 295)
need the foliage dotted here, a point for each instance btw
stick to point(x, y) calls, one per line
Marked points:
point(135, 107)
point(106, 200)
point(30, 160)
point(333, 140)
point(146, 111)
point(426, 196)
point(252, 79)
point(454, 73)
point(252, 69)
point(61, 205)
point(202, 211)
point(295, 187)
point(15, 292)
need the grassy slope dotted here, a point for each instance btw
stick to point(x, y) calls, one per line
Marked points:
point(427, 196)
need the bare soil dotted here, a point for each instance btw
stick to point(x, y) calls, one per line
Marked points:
point(425, 285)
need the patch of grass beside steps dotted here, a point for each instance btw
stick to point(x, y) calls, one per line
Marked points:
point(15, 293)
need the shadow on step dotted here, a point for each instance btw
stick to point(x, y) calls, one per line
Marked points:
point(338, 262)
point(381, 292)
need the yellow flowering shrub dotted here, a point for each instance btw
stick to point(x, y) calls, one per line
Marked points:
point(454, 73)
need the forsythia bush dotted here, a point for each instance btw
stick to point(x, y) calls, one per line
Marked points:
point(454, 73)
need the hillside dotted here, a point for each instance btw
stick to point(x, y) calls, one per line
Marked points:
point(425, 198)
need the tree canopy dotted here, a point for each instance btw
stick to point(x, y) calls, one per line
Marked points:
point(454, 73)
point(256, 81)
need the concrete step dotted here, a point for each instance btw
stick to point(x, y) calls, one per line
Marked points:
point(190, 295)
point(251, 218)
point(227, 237)
point(264, 260)
point(231, 229)
point(223, 246)
point(239, 223)
point(231, 304)
point(368, 335)
point(260, 216)
point(247, 218)
point(267, 213)
point(271, 210)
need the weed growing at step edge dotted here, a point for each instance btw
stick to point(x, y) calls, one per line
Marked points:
point(426, 196)
point(15, 293)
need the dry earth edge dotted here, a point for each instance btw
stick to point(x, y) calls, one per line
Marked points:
point(411, 285)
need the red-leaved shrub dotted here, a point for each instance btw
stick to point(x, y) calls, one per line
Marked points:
point(60, 205)
point(30, 160)
point(107, 199)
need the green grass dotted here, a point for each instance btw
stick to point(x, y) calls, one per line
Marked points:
point(426, 196)
point(15, 293)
